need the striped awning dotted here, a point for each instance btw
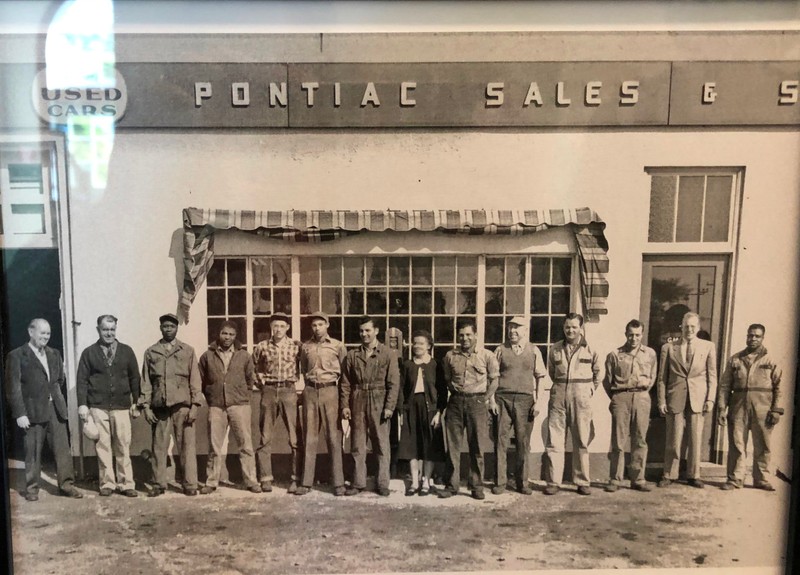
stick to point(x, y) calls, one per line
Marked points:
point(199, 226)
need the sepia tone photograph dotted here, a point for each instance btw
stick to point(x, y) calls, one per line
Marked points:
point(389, 288)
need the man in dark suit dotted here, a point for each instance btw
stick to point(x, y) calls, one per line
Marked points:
point(34, 375)
point(687, 389)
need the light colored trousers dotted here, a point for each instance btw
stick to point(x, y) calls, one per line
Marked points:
point(746, 416)
point(570, 408)
point(238, 418)
point(114, 447)
point(692, 423)
point(630, 419)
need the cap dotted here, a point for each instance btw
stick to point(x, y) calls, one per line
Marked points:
point(279, 315)
point(518, 320)
point(90, 429)
point(320, 315)
point(169, 317)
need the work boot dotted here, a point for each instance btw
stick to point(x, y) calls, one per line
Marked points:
point(31, 496)
point(130, 493)
point(551, 489)
point(266, 486)
point(337, 491)
point(728, 486)
point(350, 491)
point(445, 493)
point(524, 490)
point(664, 482)
point(207, 489)
point(610, 487)
point(292, 487)
point(584, 490)
point(71, 491)
point(698, 483)
point(302, 490)
point(383, 491)
point(498, 490)
point(255, 488)
point(643, 486)
point(106, 492)
point(190, 491)
point(478, 494)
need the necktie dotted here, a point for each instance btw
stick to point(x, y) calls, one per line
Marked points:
point(689, 353)
point(109, 356)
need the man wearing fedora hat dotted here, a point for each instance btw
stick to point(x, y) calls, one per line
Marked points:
point(107, 385)
point(321, 364)
point(276, 363)
point(171, 391)
point(521, 369)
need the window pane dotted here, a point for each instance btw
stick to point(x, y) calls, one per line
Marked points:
point(560, 304)
point(662, 208)
point(495, 271)
point(420, 323)
point(235, 272)
point(718, 209)
point(281, 272)
point(562, 271)
point(305, 329)
point(540, 271)
point(401, 322)
point(444, 301)
point(445, 270)
point(214, 326)
point(690, 209)
point(283, 300)
point(376, 302)
point(539, 329)
point(261, 329)
point(398, 302)
point(398, 271)
point(262, 272)
point(309, 300)
point(494, 330)
point(216, 275)
point(262, 301)
point(467, 271)
point(353, 271)
point(444, 330)
point(539, 297)
point(421, 271)
point(421, 301)
point(467, 301)
point(515, 271)
point(355, 301)
point(376, 271)
point(335, 329)
point(216, 302)
point(556, 329)
point(241, 332)
point(331, 269)
point(331, 300)
point(351, 330)
point(309, 271)
point(237, 303)
point(494, 300)
point(515, 300)
point(29, 173)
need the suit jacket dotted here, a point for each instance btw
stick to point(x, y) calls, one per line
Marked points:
point(698, 381)
point(29, 388)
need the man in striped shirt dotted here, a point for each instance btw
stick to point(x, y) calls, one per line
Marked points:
point(276, 363)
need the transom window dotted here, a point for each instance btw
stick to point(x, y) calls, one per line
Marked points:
point(404, 292)
point(26, 206)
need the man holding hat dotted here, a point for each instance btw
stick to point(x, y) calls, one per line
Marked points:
point(108, 384)
point(171, 393)
point(521, 369)
point(321, 364)
point(276, 363)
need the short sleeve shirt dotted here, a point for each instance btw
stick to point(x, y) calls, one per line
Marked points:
point(470, 372)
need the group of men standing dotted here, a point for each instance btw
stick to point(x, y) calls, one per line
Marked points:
point(360, 386)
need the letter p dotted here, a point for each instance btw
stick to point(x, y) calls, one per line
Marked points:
point(202, 91)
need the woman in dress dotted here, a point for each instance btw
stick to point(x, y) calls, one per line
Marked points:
point(420, 390)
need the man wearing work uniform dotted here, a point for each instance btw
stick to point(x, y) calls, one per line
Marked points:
point(631, 371)
point(521, 369)
point(471, 374)
point(575, 370)
point(321, 365)
point(750, 396)
point(277, 362)
point(368, 396)
point(170, 398)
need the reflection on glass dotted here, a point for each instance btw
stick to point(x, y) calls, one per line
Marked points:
point(262, 301)
point(556, 329)
point(281, 272)
point(398, 271)
point(467, 271)
point(309, 300)
point(401, 322)
point(236, 274)
point(539, 297)
point(261, 271)
point(515, 270)
point(421, 301)
point(355, 301)
point(675, 290)
point(560, 302)
point(515, 300)
point(376, 302)
point(422, 271)
point(444, 270)
point(376, 271)
point(309, 271)
point(335, 329)
point(540, 271)
point(539, 329)
point(331, 300)
point(237, 302)
point(495, 271)
point(444, 330)
point(467, 301)
point(216, 275)
point(562, 271)
point(351, 330)
point(283, 300)
point(494, 330)
point(444, 301)
point(494, 300)
point(353, 269)
point(421, 323)
point(216, 302)
point(261, 329)
point(331, 269)
point(690, 209)
point(398, 302)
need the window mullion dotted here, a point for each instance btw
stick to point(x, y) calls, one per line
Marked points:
point(527, 295)
point(675, 209)
point(481, 299)
point(295, 301)
point(249, 321)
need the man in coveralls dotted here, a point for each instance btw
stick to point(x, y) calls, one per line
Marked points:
point(631, 371)
point(368, 396)
point(749, 396)
point(575, 370)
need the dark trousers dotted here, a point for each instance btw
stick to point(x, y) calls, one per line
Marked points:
point(55, 431)
point(276, 402)
point(466, 413)
point(322, 405)
point(513, 414)
point(368, 420)
point(173, 420)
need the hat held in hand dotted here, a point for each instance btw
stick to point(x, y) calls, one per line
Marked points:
point(90, 428)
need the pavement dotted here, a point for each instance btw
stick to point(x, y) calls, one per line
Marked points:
point(233, 531)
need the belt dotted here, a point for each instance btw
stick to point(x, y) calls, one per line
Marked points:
point(627, 390)
point(370, 387)
point(752, 389)
point(279, 384)
point(463, 394)
point(320, 385)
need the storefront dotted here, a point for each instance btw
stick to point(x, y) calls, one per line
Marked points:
point(286, 178)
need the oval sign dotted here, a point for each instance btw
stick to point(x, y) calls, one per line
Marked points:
point(63, 103)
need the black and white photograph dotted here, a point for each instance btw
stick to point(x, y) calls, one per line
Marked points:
point(398, 287)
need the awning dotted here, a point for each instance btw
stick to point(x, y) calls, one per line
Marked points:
point(199, 226)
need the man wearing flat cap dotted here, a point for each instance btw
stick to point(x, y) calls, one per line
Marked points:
point(277, 366)
point(321, 364)
point(171, 391)
point(521, 369)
